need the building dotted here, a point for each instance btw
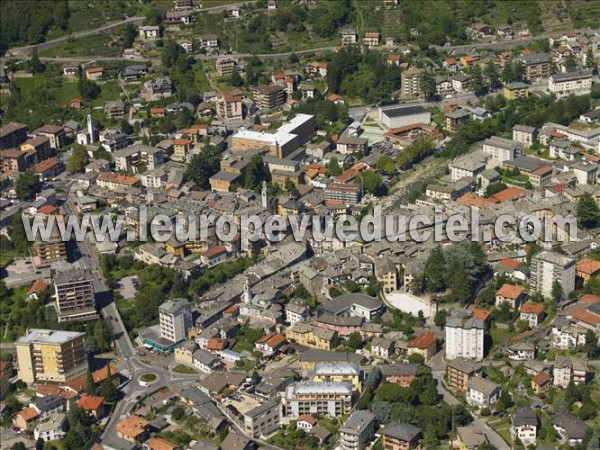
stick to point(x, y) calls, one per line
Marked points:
point(74, 293)
point(521, 351)
point(55, 427)
point(51, 356)
point(133, 429)
point(469, 438)
point(454, 119)
point(129, 158)
point(175, 317)
point(12, 135)
point(401, 436)
point(149, 33)
point(397, 116)
point(348, 193)
point(382, 348)
point(569, 369)
point(502, 149)
point(464, 336)
point(348, 145)
point(423, 344)
point(537, 65)
point(263, 420)
point(113, 182)
point(229, 107)
point(270, 343)
point(570, 428)
point(327, 372)
point(209, 41)
point(564, 84)
point(184, 353)
point(181, 148)
point(467, 166)
point(512, 91)
point(268, 97)
point(225, 65)
point(358, 430)
point(324, 399)
point(371, 39)
point(13, 161)
point(94, 73)
point(46, 251)
point(532, 313)
point(349, 36)
point(524, 135)
point(458, 373)
point(540, 382)
point(411, 85)
point(55, 133)
point(353, 305)
point(523, 426)
point(511, 294)
point(93, 405)
point(312, 337)
point(548, 267)
point(482, 393)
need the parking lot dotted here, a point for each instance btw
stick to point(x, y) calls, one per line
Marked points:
point(129, 286)
point(243, 405)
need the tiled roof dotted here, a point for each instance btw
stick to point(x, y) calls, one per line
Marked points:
point(90, 402)
point(532, 308)
point(423, 340)
point(510, 291)
point(588, 266)
point(132, 426)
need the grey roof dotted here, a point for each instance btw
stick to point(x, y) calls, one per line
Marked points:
point(399, 369)
point(340, 304)
point(403, 110)
point(174, 306)
point(554, 258)
point(403, 431)
point(462, 319)
point(464, 365)
point(574, 427)
point(260, 409)
point(571, 76)
point(234, 441)
point(524, 128)
point(71, 275)
point(358, 422)
point(525, 416)
point(204, 357)
point(535, 58)
point(315, 355)
point(471, 436)
point(201, 402)
point(482, 385)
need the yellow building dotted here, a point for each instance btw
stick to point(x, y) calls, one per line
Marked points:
point(327, 372)
point(512, 91)
point(311, 336)
point(51, 356)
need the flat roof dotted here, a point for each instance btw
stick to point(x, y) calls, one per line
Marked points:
point(404, 110)
point(42, 336)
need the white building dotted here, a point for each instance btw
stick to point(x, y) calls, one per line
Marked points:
point(563, 84)
point(263, 420)
point(175, 317)
point(524, 135)
point(482, 393)
point(524, 425)
point(357, 431)
point(53, 428)
point(400, 115)
point(324, 399)
point(469, 165)
point(464, 336)
point(548, 267)
point(502, 149)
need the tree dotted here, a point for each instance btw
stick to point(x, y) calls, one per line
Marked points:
point(78, 160)
point(27, 185)
point(374, 378)
point(372, 183)
point(434, 271)
point(178, 413)
point(590, 63)
point(354, 341)
point(429, 87)
point(235, 79)
point(385, 165)
point(333, 167)
point(126, 127)
point(440, 318)
point(170, 54)
point(19, 446)
point(35, 65)
point(416, 358)
point(90, 387)
point(588, 212)
point(570, 63)
point(108, 390)
point(255, 173)
point(477, 79)
point(591, 344)
point(129, 35)
point(505, 401)
point(557, 291)
point(39, 444)
point(204, 165)
point(492, 75)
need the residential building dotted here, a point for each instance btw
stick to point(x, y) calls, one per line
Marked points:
point(94, 73)
point(401, 436)
point(311, 336)
point(454, 119)
point(511, 294)
point(523, 427)
point(25, 419)
point(564, 84)
point(51, 356)
point(93, 405)
point(324, 399)
point(229, 107)
point(270, 343)
point(537, 65)
point(532, 313)
point(371, 39)
point(349, 193)
point(540, 382)
point(175, 317)
point(48, 169)
point(348, 145)
point(209, 41)
point(569, 369)
point(149, 32)
point(74, 294)
point(566, 336)
point(512, 91)
point(268, 97)
point(51, 429)
point(461, 82)
point(326, 372)
point(13, 161)
point(541, 177)
point(482, 393)
point(129, 158)
point(225, 65)
point(263, 420)
point(469, 438)
point(458, 373)
point(382, 348)
point(358, 430)
point(113, 182)
point(349, 36)
point(12, 135)
point(464, 336)
point(570, 428)
point(411, 85)
point(133, 429)
point(296, 312)
point(44, 252)
point(55, 133)
point(524, 135)
point(114, 109)
point(158, 89)
point(467, 166)
point(424, 344)
point(401, 374)
point(205, 361)
point(549, 267)
point(502, 149)
point(521, 351)
point(181, 148)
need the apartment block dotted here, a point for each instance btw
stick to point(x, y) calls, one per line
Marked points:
point(326, 372)
point(175, 318)
point(349, 193)
point(458, 373)
point(411, 84)
point(268, 97)
point(401, 436)
point(229, 107)
point(264, 419)
point(548, 267)
point(482, 393)
point(12, 134)
point(464, 336)
point(564, 84)
point(323, 399)
point(51, 356)
point(502, 149)
point(358, 430)
point(74, 293)
point(311, 336)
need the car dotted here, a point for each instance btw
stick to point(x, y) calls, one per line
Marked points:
point(233, 410)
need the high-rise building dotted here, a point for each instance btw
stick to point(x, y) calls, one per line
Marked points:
point(175, 317)
point(51, 356)
point(411, 84)
point(548, 267)
point(357, 431)
point(74, 292)
point(464, 336)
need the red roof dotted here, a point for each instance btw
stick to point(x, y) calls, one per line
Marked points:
point(48, 210)
point(45, 165)
point(215, 251)
point(182, 142)
point(215, 344)
point(541, 379)
point(590, 298)
point(588, 266)
point(510, 193)
point(307, 418)
point(510, 291)
point(273, 340)
point(90, 402)
point(586, 317)
point(481, 314)
point(532, 308)
point(510, 263)
point(120, 179)
point(423, 340)
point(470, 199)
point(38, 286)
point(28, 414)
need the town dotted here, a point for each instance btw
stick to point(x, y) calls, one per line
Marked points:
point(300, 108)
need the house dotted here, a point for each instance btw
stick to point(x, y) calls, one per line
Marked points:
point(158, 89)
point(263, 419)
point(270, 343)
point(482, 393)
point(469, 438)
point(532, 313)
point(348, 145)
point(55, 427)
point(205, 361)
point(94, 73)
point(461, 82)
point(133, 429)
point(382, 348)
point(570, 428)
point(524, 426)
point(311, 336)
point(401, 374)
point(569, 369)
point(349, 36)
point(459, 371)
point(70, 70)
point(585, 269)
point(401, 436)
point(566, 336)
point(424, 344)
point(48, 169)
point(521, 351)
point(524, 134)
point(209, 41)
point(234, 11)
point(371, 39)
point(306, 422)
point(114, 109)
point(149, 32)
point(25, 419)
point(158, 443)
point(540, 382)
point(93, 405)
point(511, 294)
